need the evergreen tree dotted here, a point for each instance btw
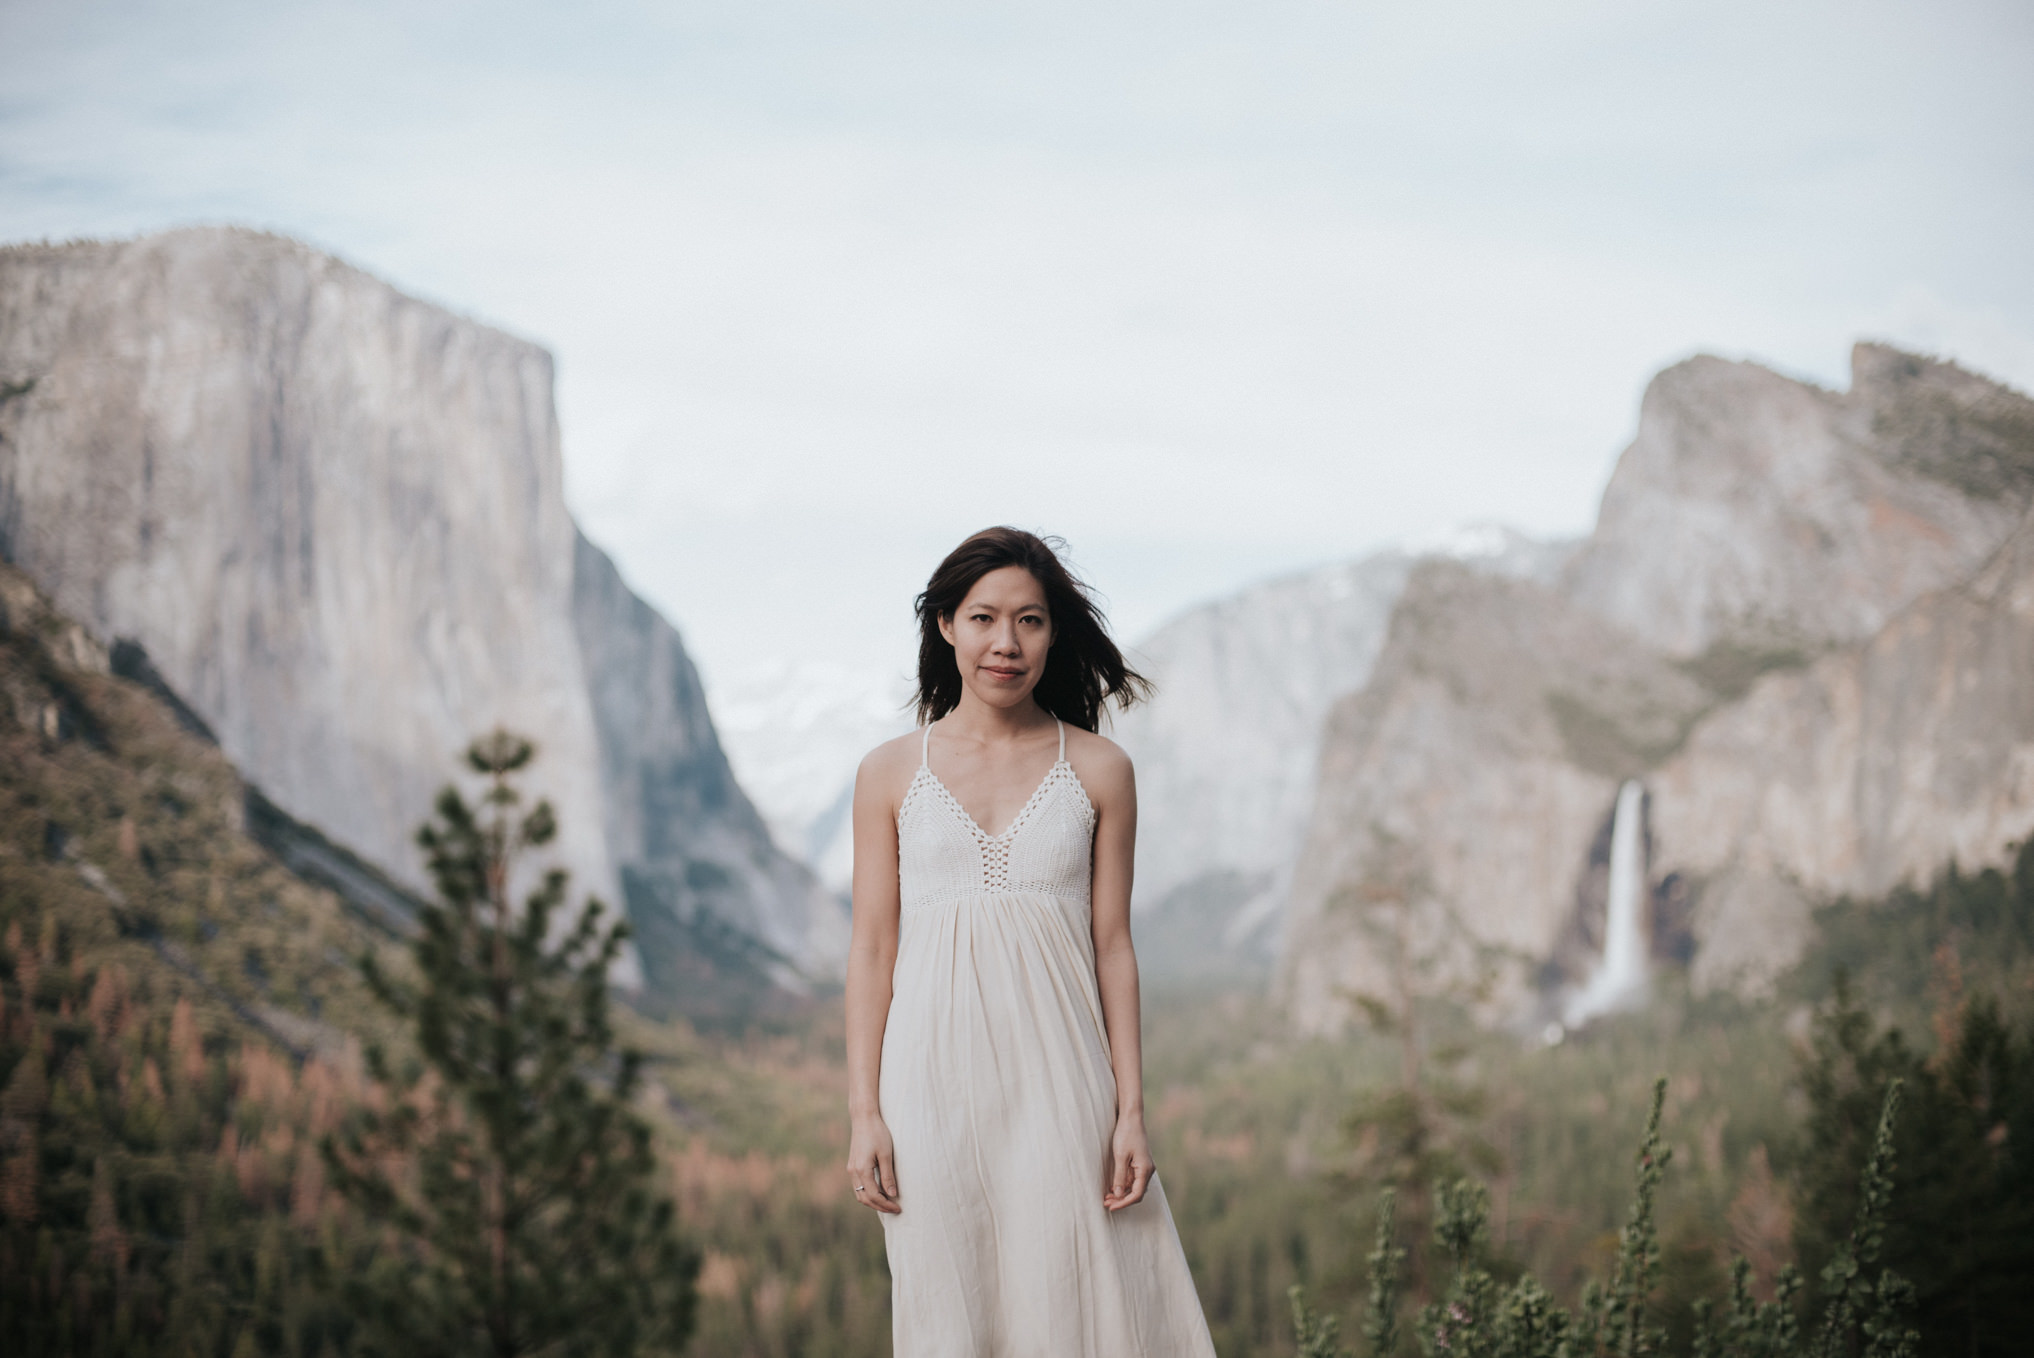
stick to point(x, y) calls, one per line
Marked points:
point(1961, 1228)
point(517, 1179)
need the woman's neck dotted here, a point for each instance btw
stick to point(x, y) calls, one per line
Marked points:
point(973, 719)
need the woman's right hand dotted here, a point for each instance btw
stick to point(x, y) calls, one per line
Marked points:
point(872, 1167)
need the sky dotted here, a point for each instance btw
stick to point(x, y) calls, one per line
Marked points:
point(1214, 290)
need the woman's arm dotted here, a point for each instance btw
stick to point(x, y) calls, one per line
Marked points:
point(872, 958)
point(1114, 793)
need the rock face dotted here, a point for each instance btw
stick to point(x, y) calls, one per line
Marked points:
point(1801, 621)
point(1873, 767)
point(1752, 510)
point(332, 516)
point(1226, 751)
point(1472, 774)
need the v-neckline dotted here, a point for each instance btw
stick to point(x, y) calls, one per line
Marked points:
point(1015, 820)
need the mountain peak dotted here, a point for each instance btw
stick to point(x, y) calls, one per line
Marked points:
point(1752, 507)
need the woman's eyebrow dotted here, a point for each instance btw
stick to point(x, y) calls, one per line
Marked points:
point(972, 607)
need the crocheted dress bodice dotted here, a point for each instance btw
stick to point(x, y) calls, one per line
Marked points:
point(943, 855)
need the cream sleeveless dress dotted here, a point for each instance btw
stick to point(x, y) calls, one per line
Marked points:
point(999, 1096)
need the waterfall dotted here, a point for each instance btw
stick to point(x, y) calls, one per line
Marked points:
point(1619, 980)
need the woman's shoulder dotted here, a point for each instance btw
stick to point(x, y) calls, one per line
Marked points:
point(1099, 761)
point(890, 765)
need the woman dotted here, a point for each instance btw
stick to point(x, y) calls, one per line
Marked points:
point(995, 1084)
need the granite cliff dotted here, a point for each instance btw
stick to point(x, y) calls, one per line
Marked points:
point(1754, 510)
point(330, 518)
point(1801, 623)
point(1874, 766)
point(1227, 748)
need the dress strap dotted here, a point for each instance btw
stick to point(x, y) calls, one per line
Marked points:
point(1062, 738)
point(925, 748)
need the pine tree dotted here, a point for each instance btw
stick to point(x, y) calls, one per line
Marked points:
point(517, 1179)
point(1961, 1229)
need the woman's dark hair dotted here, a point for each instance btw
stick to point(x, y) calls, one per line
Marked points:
point(1083, 669)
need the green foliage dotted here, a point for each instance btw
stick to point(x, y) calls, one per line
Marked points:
point(1529, 1324)
point(1959, 1236)
point(516, 1173)
point(1637, 1271)
point(1751, 1329)
point(1461, 1220)
point(1842, 1280)
point(1386, 1260)
point(1318, 1335)
point(1477, 1318)
point(1912, 956)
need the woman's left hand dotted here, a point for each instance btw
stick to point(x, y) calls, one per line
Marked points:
point(1130, 1163)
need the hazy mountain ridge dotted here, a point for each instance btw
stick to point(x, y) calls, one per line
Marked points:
point(1225, 748)
point(1801, 620)
point(796, 734)
point(695, 857)
point(332, 516)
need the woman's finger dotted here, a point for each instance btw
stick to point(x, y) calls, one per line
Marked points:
point(879, 1186)
point(867, 1184)
point(869, 1193)
point(1119, 1175)
point(1131, 1192)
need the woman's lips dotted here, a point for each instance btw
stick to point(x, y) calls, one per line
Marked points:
point(1002, 673)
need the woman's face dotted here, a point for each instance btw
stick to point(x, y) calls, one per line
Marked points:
point(1000, 634)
